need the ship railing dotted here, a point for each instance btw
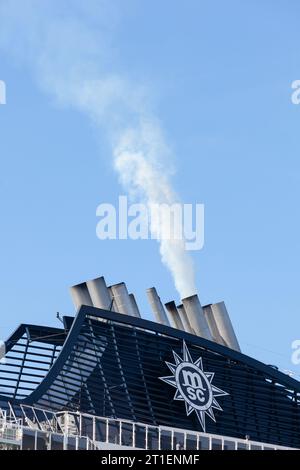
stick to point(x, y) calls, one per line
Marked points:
point(11, 432)
point(42, 429)
point(110, 431)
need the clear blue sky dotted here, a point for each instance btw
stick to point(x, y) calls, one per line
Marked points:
point(220, 74)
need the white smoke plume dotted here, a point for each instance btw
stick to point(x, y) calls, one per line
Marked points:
point(68, 47)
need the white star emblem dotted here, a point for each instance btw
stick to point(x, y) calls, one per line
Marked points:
point(194, 386)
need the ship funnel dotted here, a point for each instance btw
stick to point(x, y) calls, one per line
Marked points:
point(99, 293)
point(174, 315)
point(184, 319)
point(208, 313)
point(157, 307)
point(80, 295)
point(122, 299)
point(224, 325)
point(134, 306)
point(196, 317)
point(113, 305)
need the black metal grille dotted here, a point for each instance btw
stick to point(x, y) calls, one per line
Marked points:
point(110, 365)
point(31, 352)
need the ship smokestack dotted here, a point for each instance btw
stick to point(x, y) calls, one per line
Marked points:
point(224, 325)
point(184, 319)
point(157, 307)
point(80, 295)
point(113, 305)
point(196, 317)
point(174, 315)
point(99, 293)
point(122, 299)
point(208, 313)
point(134, 305)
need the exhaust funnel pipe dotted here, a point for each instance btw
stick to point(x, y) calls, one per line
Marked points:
point(80, 295)
point(184, 319)
point(157, 307)
point(174, 316)
point(122, 299)
point(196, 316)
point(208, 313)
point(113, 304)
point(99, 293)
point(224, 325)
point(134, 305)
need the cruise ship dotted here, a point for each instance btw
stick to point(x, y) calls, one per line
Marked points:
point(109, 379)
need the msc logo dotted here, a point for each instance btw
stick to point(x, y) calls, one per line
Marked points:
point(194, 386)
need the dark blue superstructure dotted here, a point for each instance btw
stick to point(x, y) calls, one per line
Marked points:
point(109, 364)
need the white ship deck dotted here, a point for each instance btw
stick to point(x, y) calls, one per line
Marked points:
point(40, 429)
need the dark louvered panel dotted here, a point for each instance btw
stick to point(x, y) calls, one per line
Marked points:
point(114, 369)
point(31, 352)
point(111, 364)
